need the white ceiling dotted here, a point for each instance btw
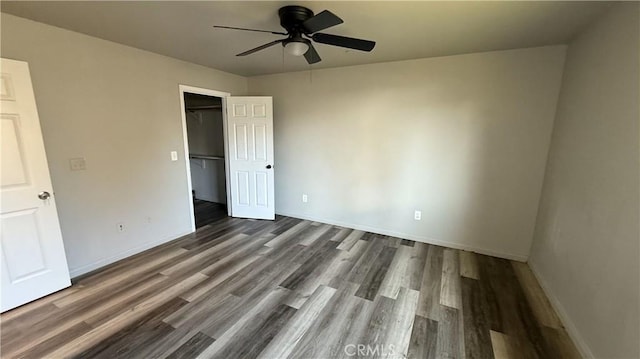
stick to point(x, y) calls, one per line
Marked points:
point(402, 30)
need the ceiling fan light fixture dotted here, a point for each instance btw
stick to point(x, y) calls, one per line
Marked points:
point(296, 48)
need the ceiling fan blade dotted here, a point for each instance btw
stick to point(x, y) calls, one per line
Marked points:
point(312, 55)
point(321, 21)
point(262, 47)
point(241, 28)
point(343, 41)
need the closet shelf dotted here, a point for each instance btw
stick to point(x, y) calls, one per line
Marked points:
point(205, 157)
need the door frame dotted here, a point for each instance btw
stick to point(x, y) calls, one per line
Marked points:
point(183, 113)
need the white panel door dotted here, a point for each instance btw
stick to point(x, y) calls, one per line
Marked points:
point(250, 141)
point(31, 250)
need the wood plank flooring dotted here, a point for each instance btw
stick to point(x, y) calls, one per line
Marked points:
point(290, 288)
point(206, 212)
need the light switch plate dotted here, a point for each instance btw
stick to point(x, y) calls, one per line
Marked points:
point(77, 164)
point(174, 155)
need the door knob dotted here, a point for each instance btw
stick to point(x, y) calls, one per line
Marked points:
point(268, 167)
point(44, 195)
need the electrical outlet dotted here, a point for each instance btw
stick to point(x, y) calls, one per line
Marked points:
point(77, 164)
point(417, 215)
point(120, 227)
point(305, 199)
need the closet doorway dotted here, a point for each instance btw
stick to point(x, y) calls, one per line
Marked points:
point(204, 119)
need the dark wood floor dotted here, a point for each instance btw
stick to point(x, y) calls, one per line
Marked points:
point(291, 288)
point(207, 212)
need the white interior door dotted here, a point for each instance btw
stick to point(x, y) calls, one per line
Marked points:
point(250, 141)
point(32, 253)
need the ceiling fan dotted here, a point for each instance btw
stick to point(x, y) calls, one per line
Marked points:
point(302, 27)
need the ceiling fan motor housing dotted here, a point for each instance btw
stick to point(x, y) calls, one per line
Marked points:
point(292, 17)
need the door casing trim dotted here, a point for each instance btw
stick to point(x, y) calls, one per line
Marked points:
point(207, 92)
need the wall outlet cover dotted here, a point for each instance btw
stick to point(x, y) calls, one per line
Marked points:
point(77, 164)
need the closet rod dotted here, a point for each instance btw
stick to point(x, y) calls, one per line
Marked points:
point(206, 157)
point(198, 108)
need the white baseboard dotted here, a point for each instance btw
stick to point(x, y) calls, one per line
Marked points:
point(75, 272)
point(573, 332)
point(511, 256)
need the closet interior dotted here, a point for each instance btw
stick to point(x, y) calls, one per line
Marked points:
point(205, 135)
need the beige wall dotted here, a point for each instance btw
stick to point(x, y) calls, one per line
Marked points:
point(463, 138)
point(586, 247)
point(119, 108)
